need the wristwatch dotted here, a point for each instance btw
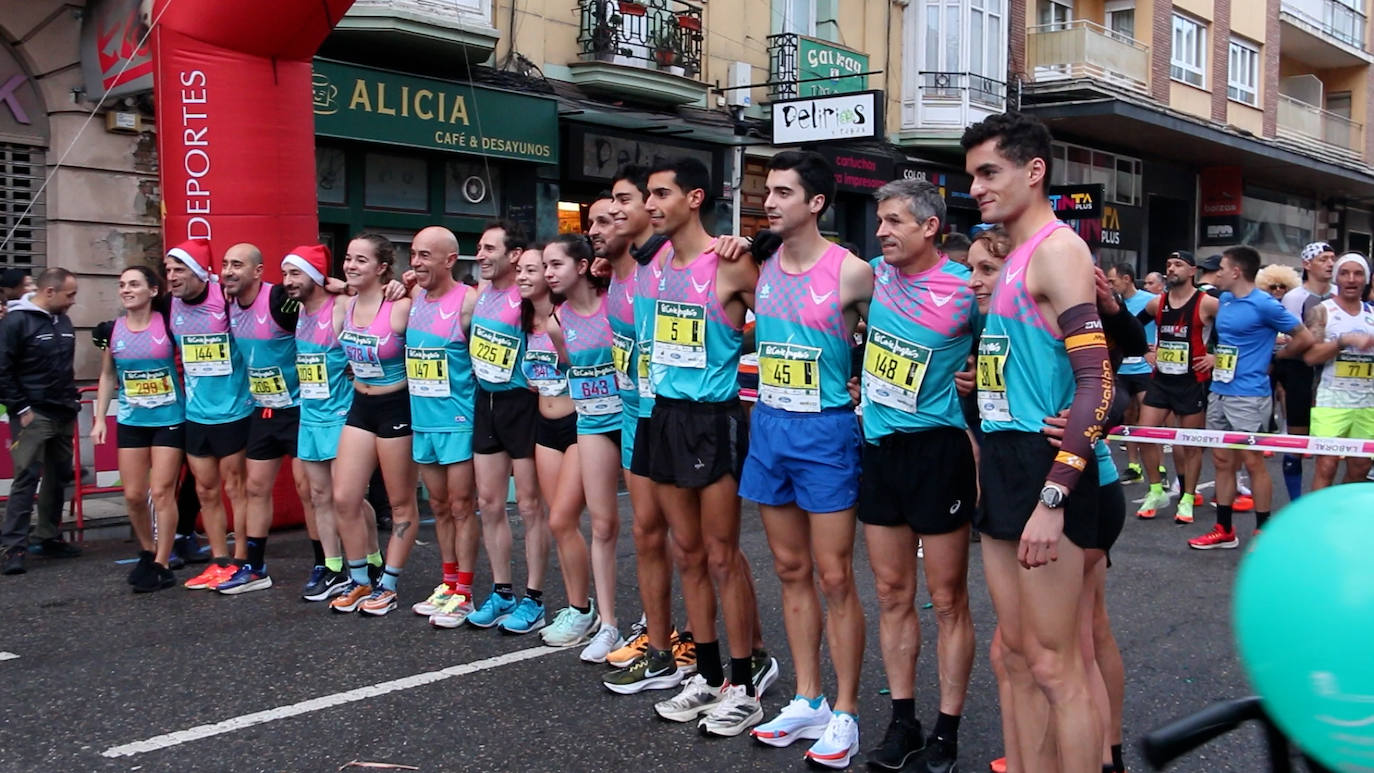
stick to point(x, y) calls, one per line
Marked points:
point(1052, 497)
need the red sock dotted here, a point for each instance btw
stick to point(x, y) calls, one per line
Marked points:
point(451, 574)
point(464, 580)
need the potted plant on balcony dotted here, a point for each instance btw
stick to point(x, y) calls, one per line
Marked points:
point(667, 45)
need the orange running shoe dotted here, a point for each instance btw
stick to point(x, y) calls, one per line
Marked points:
point(998, 765)
point(352, 598)
point(1243, 503)
point(1216, 538)
point(210, 579)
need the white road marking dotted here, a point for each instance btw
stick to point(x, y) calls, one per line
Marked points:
point(8, 656)
point(323, 702)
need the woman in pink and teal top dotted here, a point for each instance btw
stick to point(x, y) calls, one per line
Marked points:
point(140, 367)
point(377, 430)
point(582, 328)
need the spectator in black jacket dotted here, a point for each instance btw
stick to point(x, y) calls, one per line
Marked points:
point(38, 388)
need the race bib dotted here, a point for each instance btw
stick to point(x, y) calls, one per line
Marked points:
point(493, 354)
point(893, 370)
point(789, 377)
point(151, 388)
point(427, 371)
point(992, 385)
point(206, 354)
point(1353, 372)
point(1224, 369)
point(593, 389)
point(1171, 358)
point(679, 334)
point(268, 387)
point(361, 351)
point(314, 376)
point(646, 384)
point(541, 370)
point(622, 351)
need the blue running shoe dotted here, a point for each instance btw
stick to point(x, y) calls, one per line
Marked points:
point(494, 610)
point(528, 617)
point(247, 578)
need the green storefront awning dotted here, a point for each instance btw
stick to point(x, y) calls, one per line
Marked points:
point(363, 103)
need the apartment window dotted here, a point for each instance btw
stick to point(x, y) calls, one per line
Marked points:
point(1242, 74)
point(1188, 57)
point(798, 16)
point(1121, 19)
point(1077, 165)
point(964, 49)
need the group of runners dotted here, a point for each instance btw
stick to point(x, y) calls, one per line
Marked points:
point(587, 358)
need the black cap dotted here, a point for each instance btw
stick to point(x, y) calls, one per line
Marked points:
point(12, 278)
point(1211, 263)
point(1183, 255)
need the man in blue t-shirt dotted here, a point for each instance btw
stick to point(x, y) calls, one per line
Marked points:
point(1248, 322)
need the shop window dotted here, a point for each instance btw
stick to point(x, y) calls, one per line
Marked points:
point(1188, 55)
point(1077, 165)
point(570, 216)
point(331, 180)
point(396, 182)
point(1242, 73)
point(21, 176)
point(1275, 222)
point(472, 188)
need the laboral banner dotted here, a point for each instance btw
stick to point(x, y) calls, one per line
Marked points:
point(382, 106)
point(822, 119)
point(839, 66)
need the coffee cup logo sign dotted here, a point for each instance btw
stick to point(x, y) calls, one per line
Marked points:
point(846, 116)
point(325, 95)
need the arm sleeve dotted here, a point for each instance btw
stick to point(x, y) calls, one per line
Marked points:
point(1092, 399)
point(284, 309)
point(10, 393)
point(1127, 332)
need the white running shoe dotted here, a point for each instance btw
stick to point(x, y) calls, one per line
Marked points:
point(697, 698)
point(737, 711)
point(453, 612)
point(838, 745)
point(436, 599)
point(606, 641)
point(570, 628)
point(796, 720)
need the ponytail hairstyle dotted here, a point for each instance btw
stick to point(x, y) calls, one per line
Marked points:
point(579, 248)
point(385, 250)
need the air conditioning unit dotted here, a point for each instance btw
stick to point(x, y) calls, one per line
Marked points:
point(740, 76)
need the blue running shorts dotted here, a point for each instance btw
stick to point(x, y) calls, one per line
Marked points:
point(808, 458)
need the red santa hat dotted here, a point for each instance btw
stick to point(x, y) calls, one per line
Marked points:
point(313, 259)
point(195, 254)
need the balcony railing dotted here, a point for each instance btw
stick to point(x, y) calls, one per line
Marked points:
point(782, 65)
point(1332, 17)
point(1082, 49)
point(662, 34)
point(1297, 118)
point(950, 101)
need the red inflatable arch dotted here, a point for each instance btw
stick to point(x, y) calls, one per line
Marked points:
point(236, 133)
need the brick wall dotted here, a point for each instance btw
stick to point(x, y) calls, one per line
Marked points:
point(1221, 53)
point(1016, 38)
point(1270, 80)
point(1162, 24)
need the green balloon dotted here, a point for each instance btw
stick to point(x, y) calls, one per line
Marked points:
point(1304, 623)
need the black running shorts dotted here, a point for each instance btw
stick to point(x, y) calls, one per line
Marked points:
point(505, 422)
point(217, 441)
point(1012, 468)
point(925, 480)
point(272, 433)
point(696, 444)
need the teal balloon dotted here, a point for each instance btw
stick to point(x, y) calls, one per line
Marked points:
point(1304, 623)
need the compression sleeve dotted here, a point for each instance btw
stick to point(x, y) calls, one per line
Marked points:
point(1126, 332)
point(1092, 399)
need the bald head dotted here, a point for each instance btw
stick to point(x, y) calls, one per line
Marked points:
point(241, 274)
point(433, 252)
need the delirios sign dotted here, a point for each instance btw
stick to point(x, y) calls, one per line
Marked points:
point(820, 119)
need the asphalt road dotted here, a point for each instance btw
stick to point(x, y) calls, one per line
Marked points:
point(91, 670)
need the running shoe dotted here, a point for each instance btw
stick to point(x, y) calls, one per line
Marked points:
point(1197, 500)
point(379, 602)
point(900, 744)
point(1185, 510)
point(144, 567)
point(528, 617)
point(351, 598)
point(570, 627)
point(495, 609)
point(1154, 500)
point(1216, 538)
point(324, 583)
point(998, 765)
point(374, 574)
point(606, 641)
point(837, 745)
point(1133, 473)
point(636, 644)
point(247, 579)
point(764, 670)
point(940, 756)
point(1244, 503)
point(187, 548)
point(736, 712)
point(441, 593)
point(157, 578)
point(685, 653)
point(210, 579)
point(696, 698)
point(796, 720)
point(645, 673)
point(453, 612)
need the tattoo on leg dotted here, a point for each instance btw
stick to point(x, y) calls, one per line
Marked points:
point(402, 528)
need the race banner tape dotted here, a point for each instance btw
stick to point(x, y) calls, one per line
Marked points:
point(1243, 441)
